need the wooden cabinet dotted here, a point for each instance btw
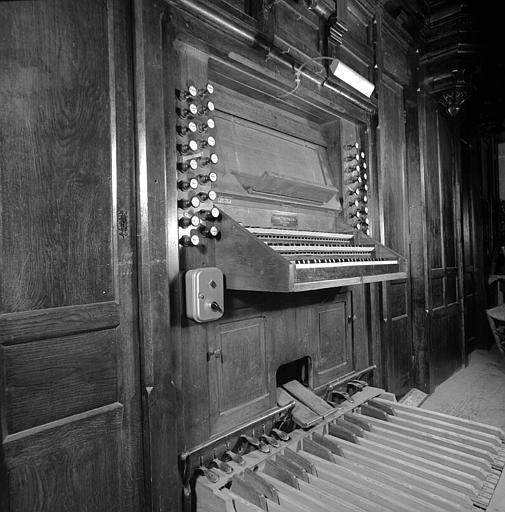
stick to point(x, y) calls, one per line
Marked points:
point(70, 389)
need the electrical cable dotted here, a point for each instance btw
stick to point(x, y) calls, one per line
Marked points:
point(298, 74)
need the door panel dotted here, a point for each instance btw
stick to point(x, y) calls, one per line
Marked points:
point(445, 343)
point(334, 356)
point(52, 379)
point(444, 305)
point(239, 372)
point(473, 279)
point(56, 231)
point(397, 336)
point(69, 369)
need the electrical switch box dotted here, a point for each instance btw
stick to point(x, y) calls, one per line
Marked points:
point(204, 294)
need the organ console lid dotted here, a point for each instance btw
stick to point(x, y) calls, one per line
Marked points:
point(278, 259)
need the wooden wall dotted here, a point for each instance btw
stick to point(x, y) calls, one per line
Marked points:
point(103, 379)
point(69, 372)
point(393, 197)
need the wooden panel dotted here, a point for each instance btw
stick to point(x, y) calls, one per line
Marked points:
point(88, 480)
point(447, 189)
point(393, 196)
point(351, 58)
point(398, 299)
point(433, 199)
point(467, 206)
point(243, 364)
point(196, 391)
point(393, 183)
point(51, 379)
point(334, 355)
point(442, 236)
point(358, 25)
point(56, 220)
point(246, 107)
point(156, 68)
point(38, 443)
point(398, 355)
point(56, 322)
point(417, 215)
point(291, 332)
point(297, 27)
point(71, 391)
point(437, 292)
point(241, 372)
point(473, 282)
point(469, 283)
point(359, 329)
point(445, 342)
point(395, 62)
point(451, 289)
point(356, 50)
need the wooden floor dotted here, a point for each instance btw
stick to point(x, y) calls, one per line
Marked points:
point(476, 392)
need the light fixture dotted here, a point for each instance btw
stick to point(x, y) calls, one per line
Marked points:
point(351, 77)
point(340, 70)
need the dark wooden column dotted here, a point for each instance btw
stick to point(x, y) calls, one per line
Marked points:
point(155, 73)
point(393, 75)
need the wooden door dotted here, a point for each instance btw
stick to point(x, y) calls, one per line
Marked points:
point(442, 258)
point(238, 373)
point(393, 198)
point(69, 370)
point(473, 280)
point(334, 355)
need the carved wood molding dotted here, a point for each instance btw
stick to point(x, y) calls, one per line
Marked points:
point(449, 54)
point(452, 99)
point(337, 23)
point(323, 8)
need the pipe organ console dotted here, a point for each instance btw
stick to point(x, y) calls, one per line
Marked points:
point(283, 227)
point(368, 453)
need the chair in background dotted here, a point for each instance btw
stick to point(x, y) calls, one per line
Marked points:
point(496, 318)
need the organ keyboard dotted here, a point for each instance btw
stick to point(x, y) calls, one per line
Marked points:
point(309, 249)
point(369, 454)
point(291, 260)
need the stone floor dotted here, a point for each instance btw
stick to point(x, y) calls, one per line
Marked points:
point(476, 392)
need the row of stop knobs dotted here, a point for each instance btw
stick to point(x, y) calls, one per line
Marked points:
point(196, 157)
point(356, 185)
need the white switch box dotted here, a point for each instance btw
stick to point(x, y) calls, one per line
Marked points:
point(204, 294)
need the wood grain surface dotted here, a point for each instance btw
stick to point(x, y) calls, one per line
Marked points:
point(69, 370)
point(55, 378)
point(56, 156)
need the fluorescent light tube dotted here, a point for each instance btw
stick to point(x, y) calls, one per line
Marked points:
point(350, 77)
